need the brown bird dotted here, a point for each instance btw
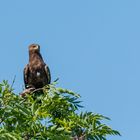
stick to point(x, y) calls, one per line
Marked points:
point(36, 72)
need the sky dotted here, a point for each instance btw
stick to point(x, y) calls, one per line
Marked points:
point(92, 46)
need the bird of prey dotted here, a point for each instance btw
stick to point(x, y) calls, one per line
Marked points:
point(36, 72)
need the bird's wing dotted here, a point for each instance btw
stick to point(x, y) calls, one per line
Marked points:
point(47, 70)
point(26, 75)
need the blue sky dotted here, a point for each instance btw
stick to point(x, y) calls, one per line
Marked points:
point(92, 46)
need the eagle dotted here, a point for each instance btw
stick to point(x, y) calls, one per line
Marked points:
point(36, 72)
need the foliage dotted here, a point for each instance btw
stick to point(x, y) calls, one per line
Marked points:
point(49, 114)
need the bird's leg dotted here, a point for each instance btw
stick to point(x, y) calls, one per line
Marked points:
point(27, 91)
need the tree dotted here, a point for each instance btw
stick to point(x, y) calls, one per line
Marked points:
point(49, 113)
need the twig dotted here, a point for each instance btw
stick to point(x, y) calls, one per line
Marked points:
point(79, 138)
point(13, 83)
point(38, 89)
point(56, 80)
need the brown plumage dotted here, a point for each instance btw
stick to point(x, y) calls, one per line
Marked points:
point(36, 72)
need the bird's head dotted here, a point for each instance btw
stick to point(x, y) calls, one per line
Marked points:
point(34, 48)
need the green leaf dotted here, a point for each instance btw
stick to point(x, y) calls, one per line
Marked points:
point(60, 129)
point(51, 114)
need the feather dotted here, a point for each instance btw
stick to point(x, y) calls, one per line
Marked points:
point(26, 75)
point(47, 70)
